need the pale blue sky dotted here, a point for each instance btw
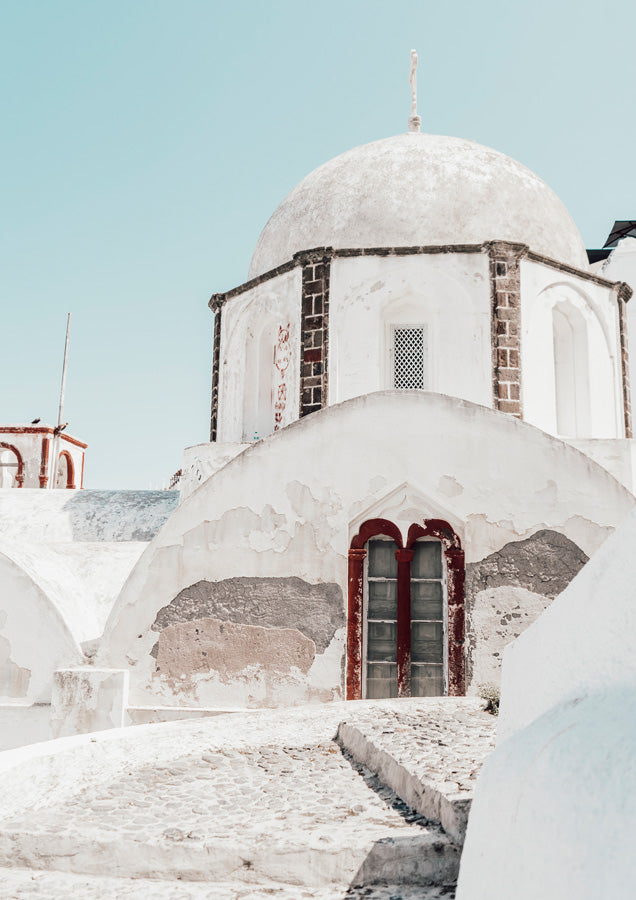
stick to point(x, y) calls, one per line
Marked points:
point(145, 144)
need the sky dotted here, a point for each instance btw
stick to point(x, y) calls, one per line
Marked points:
point(145, 144)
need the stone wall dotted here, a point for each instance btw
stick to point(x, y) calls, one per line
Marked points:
point(314, 330)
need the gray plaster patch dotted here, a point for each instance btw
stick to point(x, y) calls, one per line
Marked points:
point(316, 610)
point(507, 590)
point(544, 563)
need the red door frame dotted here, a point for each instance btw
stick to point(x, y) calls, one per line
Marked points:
point(454, 556)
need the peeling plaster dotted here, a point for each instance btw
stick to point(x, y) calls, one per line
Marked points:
point(544, 563)
point(508, 590)
point(498, 616)
point(316, 610)
point(307, 506)
point(449, 486)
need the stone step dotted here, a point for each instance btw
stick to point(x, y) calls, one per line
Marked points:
point(430, 761)
point(26, 884)
point(303, 815)
point(424, 859)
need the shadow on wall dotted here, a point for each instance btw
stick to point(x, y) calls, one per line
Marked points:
point(119, 515)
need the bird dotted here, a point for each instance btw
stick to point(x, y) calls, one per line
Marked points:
point(35, 421)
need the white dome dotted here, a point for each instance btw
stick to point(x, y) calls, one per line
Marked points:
point(418, 190)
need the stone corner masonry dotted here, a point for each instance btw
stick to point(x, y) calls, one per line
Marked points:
point(505, 296)
point(314, 329)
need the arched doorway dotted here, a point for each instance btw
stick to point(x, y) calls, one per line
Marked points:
point(406, 612)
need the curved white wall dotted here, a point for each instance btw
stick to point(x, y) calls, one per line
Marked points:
point(35, 639)
point(253, 369)
point(553, 812)
point(286, 506)
point(570, 354)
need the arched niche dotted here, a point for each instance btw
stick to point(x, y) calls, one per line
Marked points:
point(265, 389)
point(11, 466)
point(571, 371)
point(65, 476)
point(260, 363)
point(570, 381)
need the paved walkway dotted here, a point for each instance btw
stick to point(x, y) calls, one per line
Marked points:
point(25, 884)
point(264, 804)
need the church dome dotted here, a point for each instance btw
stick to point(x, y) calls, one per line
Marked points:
point(417, 190)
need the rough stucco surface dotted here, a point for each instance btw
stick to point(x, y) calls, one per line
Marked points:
point(87, 699)
point(316, 610)
point(52, 516)
point(414, 190)
point(290, 505)
point(64, 556)
point(507, 591)
point(229, 648)
point(544, 563)
point(258, 800)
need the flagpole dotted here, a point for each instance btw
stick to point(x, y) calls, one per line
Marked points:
point(56, 439)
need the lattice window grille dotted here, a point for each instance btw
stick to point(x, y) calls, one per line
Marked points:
point(410, 357)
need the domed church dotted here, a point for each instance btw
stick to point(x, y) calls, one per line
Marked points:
point(420, 431)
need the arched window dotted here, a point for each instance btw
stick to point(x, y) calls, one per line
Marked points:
point(406, 612)
point(571, 371)
point(11, 466)
point(65, 477)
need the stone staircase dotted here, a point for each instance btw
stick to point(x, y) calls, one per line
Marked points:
point(318, 803)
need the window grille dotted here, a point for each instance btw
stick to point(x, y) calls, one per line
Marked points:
point(410, 357)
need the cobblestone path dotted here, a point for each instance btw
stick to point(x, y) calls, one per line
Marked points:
point(239, 807)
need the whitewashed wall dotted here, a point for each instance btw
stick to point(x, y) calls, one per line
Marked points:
point(30, 447)
point(621, 266)
point(201, 461)
point(35, 639)
point(29, 444)
point(250, 326)
point(287, 508)
point(448, 293)
point(552, 811)
point(543, 289)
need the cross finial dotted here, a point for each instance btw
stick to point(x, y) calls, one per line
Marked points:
point(414, 119)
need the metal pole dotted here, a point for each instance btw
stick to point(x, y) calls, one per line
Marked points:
point(56, 439)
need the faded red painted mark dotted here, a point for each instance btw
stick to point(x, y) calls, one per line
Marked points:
point(282, 359)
